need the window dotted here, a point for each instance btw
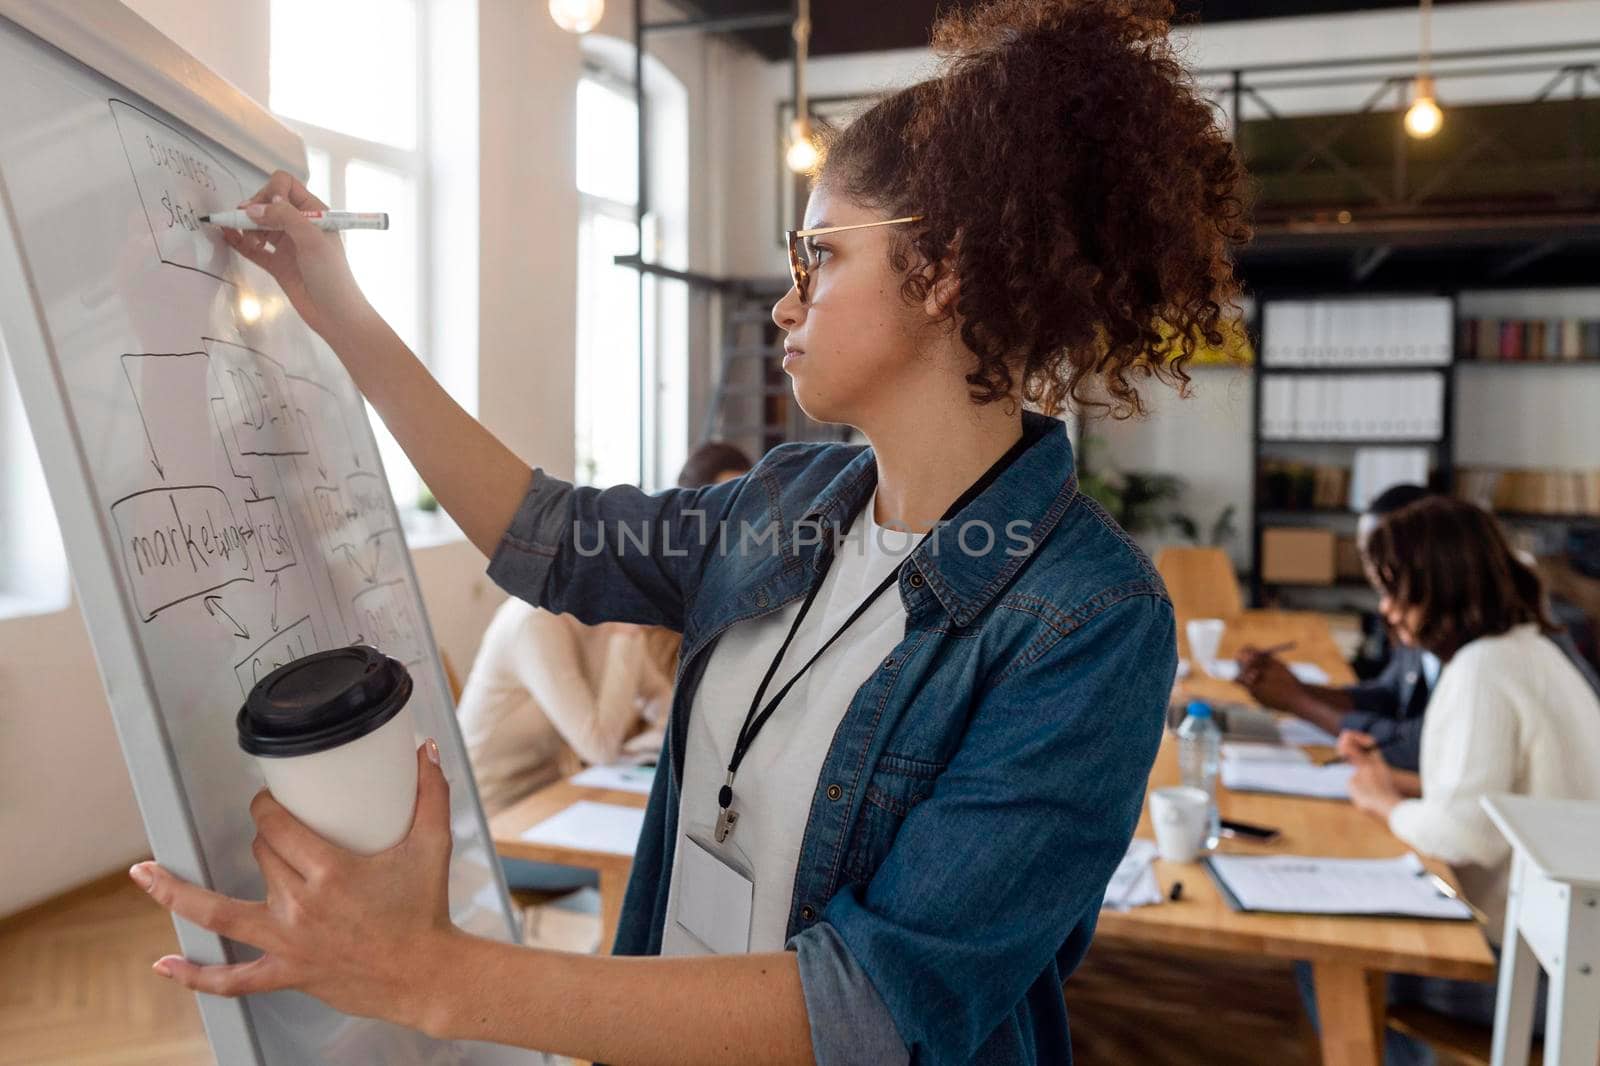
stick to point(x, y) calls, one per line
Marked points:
point(33, 560)
point(618, 439)
point(359, 98)
point(608, 416)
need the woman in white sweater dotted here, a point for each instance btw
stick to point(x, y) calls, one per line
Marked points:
point(1511, 713)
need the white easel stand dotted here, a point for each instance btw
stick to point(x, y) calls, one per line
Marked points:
point(1552, 921)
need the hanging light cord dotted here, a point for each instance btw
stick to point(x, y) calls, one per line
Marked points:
point(1427, 40)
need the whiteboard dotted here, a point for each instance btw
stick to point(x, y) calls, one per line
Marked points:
point(216, 481)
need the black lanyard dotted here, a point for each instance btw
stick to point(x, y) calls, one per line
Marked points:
point(754, 721)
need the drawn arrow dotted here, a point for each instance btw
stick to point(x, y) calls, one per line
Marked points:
point(355, 559)
point(316, 446)
point(137, 406)
point(275, 586)
point(214, 604)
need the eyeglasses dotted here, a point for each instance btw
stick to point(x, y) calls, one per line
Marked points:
point(803, 254)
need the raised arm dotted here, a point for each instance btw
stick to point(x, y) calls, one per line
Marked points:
point(478, 480)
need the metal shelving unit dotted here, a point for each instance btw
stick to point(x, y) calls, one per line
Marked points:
point(1261, 445)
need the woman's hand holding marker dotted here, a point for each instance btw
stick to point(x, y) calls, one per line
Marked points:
point(307, 263)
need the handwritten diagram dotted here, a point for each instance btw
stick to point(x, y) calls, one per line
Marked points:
point(259, 509)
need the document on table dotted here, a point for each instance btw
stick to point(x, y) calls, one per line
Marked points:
point(1305, 673)
point(1309, 673)
point(1134, 882)
point(589, 826)
point(1222, 669)
point(1299, 884)
point(1246, 751)
point(621, 777)
point(1288, 778)
point(1300, 731)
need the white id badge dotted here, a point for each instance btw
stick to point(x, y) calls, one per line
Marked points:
point(715, 900)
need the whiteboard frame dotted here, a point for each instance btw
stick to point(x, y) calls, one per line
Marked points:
point(116, 44)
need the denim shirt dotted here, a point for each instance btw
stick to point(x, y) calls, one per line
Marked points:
point(985, 779)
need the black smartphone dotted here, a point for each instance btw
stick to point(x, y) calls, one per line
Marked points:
point(1259, 834)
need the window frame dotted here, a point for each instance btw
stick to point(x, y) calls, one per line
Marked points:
point(590, 206)
point(341, 149)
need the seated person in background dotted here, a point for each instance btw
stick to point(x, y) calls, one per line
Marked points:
point(543, 683)
point(712, 463)
point(1389, 708)
point(1511, 713)
point(1381, 707)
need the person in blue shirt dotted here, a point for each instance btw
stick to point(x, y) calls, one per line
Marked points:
point(922, 681)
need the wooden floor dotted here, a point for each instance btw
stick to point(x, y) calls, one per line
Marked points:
point(75, 987)
point(1144, 1006)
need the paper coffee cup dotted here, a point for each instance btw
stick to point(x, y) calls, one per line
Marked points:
point(1205, 637)
point(1181, 819)
point(335, 740)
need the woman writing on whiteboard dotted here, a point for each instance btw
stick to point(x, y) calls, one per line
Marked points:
point(921, 684)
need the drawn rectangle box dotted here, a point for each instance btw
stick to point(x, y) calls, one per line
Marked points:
point(293, 641)
point(177, 181)
point(255, 391)
point(274, 547)
point(167, 558)
point(387, 623)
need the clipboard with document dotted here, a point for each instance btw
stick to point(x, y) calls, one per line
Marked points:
point(1302, 884)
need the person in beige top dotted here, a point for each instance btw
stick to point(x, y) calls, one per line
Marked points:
point(1510, 713)
point(543, 683)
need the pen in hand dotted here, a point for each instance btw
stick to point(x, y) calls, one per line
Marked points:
point(323, 220)
point(1365, 749)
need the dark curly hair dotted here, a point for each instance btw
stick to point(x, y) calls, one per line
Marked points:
point(1077, 185)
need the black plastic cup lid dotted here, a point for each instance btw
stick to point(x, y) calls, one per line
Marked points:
point(324, 700)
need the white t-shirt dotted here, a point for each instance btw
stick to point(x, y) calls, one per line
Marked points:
point(778, 777)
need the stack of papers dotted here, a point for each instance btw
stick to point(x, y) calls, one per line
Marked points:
point(1298, 884)
point(1285, 771)
point(1134, 884)
point(1300, 731)
point(1243, 751)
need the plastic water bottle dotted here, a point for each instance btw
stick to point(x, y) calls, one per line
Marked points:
point(1199, 753)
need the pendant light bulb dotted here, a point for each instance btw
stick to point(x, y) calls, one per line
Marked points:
point(577, 16)
point(1424, 118)
point(803, 154)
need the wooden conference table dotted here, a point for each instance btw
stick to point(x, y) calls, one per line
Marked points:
point(1350, 956)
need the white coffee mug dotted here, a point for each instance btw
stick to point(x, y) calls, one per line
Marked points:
point(1181, 816)
point(334, 736)
point(1205, 637)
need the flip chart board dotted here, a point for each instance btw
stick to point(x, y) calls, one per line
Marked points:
point(213, 472)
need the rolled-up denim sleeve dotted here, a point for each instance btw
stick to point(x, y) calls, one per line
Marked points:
point(610, 555)
point(1009, 855)
point(848, 1020)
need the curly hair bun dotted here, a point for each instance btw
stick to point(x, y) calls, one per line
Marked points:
point(1076, 182)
